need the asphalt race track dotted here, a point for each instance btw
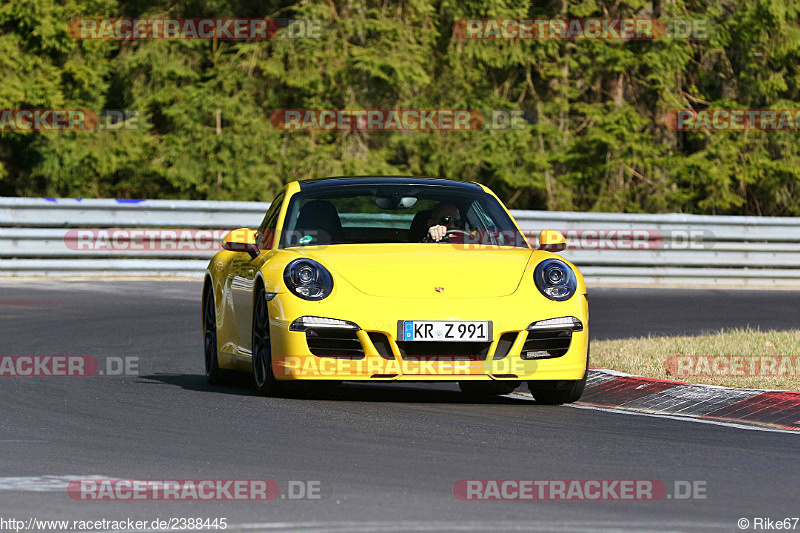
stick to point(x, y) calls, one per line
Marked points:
point(386, 456)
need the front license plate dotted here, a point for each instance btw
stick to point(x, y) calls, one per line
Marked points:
point(446, 330)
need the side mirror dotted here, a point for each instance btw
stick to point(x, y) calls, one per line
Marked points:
point(552, 241)
point(241, 240)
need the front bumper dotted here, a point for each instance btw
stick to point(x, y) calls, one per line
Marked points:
point(374, 352)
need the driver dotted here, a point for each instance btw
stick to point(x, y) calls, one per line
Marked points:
point(444, 217)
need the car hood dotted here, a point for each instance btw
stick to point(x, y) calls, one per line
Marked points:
point(425, 270)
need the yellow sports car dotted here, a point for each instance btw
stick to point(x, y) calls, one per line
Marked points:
point(392, 278)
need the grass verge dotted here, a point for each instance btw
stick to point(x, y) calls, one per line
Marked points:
point(741, 358)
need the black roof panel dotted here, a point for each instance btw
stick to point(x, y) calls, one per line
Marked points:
point(344, 181)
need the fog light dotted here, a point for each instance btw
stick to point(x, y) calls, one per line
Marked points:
point(538, 354)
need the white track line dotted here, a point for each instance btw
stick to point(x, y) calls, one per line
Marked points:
point(704, 385)
point(684, 418)
point(41, 483)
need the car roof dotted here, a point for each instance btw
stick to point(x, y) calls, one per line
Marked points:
point(345, 181)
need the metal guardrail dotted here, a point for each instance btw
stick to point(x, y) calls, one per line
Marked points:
point(38, 238)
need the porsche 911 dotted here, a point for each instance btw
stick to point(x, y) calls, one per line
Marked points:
point(395, 279)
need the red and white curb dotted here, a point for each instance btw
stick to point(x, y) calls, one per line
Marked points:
point(609, 389)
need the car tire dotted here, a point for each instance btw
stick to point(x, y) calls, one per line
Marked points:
point(213, 373)
point(263, 376)
point(487, 388)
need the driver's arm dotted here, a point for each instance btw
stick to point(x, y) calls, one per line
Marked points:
point(437, 233)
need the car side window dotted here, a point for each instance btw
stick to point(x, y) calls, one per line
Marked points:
point(266, 232)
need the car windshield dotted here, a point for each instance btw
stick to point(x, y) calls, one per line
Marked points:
point(381, 213)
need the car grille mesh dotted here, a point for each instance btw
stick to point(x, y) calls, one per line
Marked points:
point(504, 345)
point(546, 343)
point(432, 350)
point(329, 342)
point(344, 343)
point(382, 345)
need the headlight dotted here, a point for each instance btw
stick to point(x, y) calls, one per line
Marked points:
point(555, 279)
point(308, 279)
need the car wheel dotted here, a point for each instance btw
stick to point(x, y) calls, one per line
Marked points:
point(263, 376)
point(213, 372)
point(487, 388)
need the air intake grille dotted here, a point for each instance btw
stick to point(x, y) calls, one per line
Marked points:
point(504, 345)
point(546, 344)
point(431, 350)
point(328, 342)
point(381, 343)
